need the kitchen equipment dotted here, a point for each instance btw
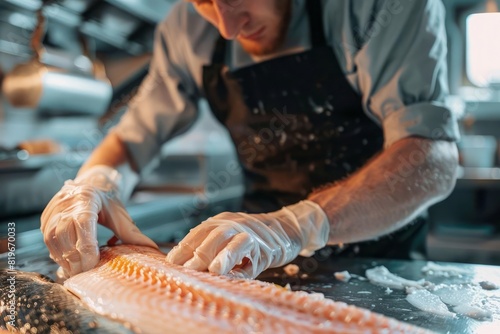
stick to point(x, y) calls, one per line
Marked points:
point(483, 48)
point(54, 89)
point(478, 151)
point(30, 147)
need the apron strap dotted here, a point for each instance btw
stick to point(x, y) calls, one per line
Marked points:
point(315, 15)
point(220, 51)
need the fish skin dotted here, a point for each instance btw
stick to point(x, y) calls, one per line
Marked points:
point(49, 307)
point(137, 284)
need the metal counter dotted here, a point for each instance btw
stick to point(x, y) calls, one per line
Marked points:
point(320, 278)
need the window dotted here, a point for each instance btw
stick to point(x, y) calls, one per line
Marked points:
point(483, 49)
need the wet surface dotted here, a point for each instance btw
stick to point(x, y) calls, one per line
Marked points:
point(317, 275)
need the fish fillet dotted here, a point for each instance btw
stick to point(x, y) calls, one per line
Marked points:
point(135, 284)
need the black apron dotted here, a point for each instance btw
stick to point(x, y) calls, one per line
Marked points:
point(297, 124)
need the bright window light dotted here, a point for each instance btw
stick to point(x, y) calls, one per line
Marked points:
point(483, 49)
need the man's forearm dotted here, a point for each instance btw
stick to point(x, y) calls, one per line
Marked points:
point(110, 152)
point(390, 190)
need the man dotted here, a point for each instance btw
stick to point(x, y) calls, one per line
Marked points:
point(336, 111)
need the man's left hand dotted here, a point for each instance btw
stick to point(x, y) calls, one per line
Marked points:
point(244, 245)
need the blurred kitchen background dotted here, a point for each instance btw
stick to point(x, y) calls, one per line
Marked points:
point(95, 54)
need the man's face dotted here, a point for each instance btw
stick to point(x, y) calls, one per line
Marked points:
point(259, 25)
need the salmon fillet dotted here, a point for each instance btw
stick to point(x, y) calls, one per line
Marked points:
point(136, 285)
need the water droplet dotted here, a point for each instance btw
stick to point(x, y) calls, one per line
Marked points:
point(340, 129)
point(346, 166)
point(319, 109)
point(261, 107)
point(255, 111)
point(282, 139)
point(256, 139)
point(364, 142)
point(312, 137)
point(284, 93)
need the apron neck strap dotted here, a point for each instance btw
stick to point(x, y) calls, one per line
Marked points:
point(220, 51)
point(315, 15)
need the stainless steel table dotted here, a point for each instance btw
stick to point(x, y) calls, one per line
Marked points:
point(317, 274)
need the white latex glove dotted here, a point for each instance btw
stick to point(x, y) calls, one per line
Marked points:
point(267, 240)
point(69, 222)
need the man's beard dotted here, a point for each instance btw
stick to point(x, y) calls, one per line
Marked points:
point(284, 9)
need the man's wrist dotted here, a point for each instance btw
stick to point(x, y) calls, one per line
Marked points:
point(102, 177)
point(314, 226)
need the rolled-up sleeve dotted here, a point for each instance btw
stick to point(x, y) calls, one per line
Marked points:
point(402, 71)
point(166, 103)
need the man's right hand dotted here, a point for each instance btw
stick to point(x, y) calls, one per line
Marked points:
point(69, 222)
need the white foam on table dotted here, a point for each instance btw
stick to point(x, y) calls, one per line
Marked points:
point(428, 302)
point(474, 312)
point(457, 294)
point(477, 300)
point(383, 277)
point(435, 269)
point(467, 299)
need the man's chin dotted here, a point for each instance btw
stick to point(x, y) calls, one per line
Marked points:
point(258, 48)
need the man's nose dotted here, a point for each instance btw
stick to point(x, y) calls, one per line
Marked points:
point(231, 18)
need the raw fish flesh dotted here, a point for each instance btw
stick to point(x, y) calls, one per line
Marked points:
point(136, 284)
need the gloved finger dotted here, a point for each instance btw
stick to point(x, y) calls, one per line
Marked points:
point(210, 247)
point(249, 270)
point(184, 251)
point(77, 237)
point(86, 244)
point(66, 237)
point(124, 228)
point(238, 248)
point(61, 275)
point(49, 237)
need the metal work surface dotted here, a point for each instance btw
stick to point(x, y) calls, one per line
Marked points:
point(317, 275)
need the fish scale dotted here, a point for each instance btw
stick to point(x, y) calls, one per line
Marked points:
point(43, 306)
point(136, 284)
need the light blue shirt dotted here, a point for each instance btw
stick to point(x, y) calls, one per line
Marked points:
point(393, 53)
